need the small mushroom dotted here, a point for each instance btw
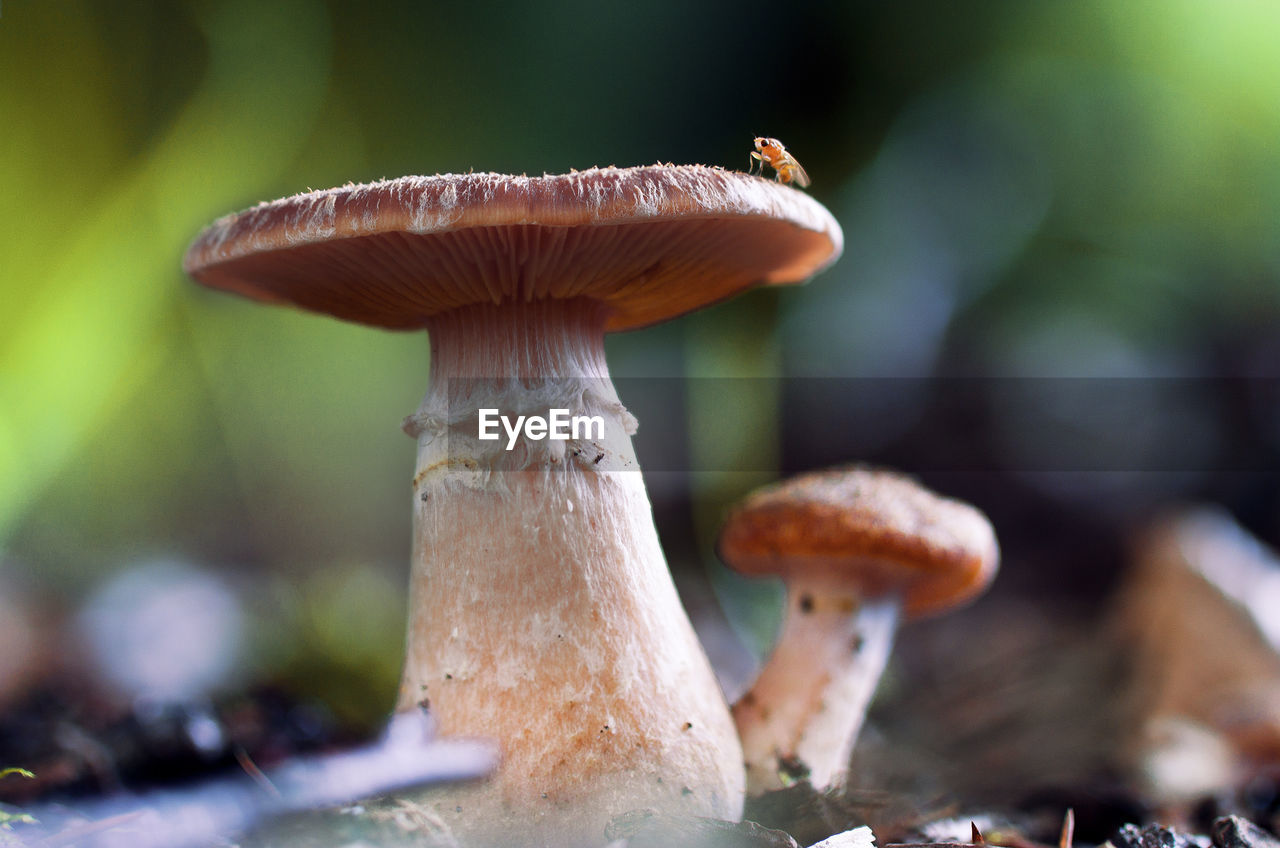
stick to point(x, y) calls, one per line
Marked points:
point(854, 547)
point(541, 611)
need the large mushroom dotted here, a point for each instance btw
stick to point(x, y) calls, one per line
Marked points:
point(855, 547)
point(541, 611)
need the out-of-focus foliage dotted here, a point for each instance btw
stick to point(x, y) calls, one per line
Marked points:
point(1078, 189)
point(9, 819)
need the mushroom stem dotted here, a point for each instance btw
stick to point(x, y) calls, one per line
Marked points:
point(542, 613)
point(802, 716)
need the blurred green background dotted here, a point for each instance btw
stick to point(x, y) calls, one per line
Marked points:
point(1027, 189)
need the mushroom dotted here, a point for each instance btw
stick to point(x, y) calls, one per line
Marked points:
point(542, 613)
point(1200, 612)
point(854, 546)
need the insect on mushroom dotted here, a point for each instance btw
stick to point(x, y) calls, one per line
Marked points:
point(769, 151)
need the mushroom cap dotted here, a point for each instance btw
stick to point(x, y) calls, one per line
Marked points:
point(651, 242)
point(873, 531)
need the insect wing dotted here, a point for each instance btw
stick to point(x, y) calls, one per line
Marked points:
point(798, 172)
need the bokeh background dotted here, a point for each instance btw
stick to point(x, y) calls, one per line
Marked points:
point(1059, 299)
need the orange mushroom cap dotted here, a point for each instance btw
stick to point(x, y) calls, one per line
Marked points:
point(650, 242)
point(879, 532)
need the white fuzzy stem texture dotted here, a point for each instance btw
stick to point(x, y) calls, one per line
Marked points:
point(542, 614)
point(802, 715)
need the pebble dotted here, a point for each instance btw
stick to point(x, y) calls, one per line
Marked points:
point(1155, 836)
point(1235, 832)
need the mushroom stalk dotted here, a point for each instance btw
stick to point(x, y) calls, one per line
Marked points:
point(542, 614)
point(802, 716)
